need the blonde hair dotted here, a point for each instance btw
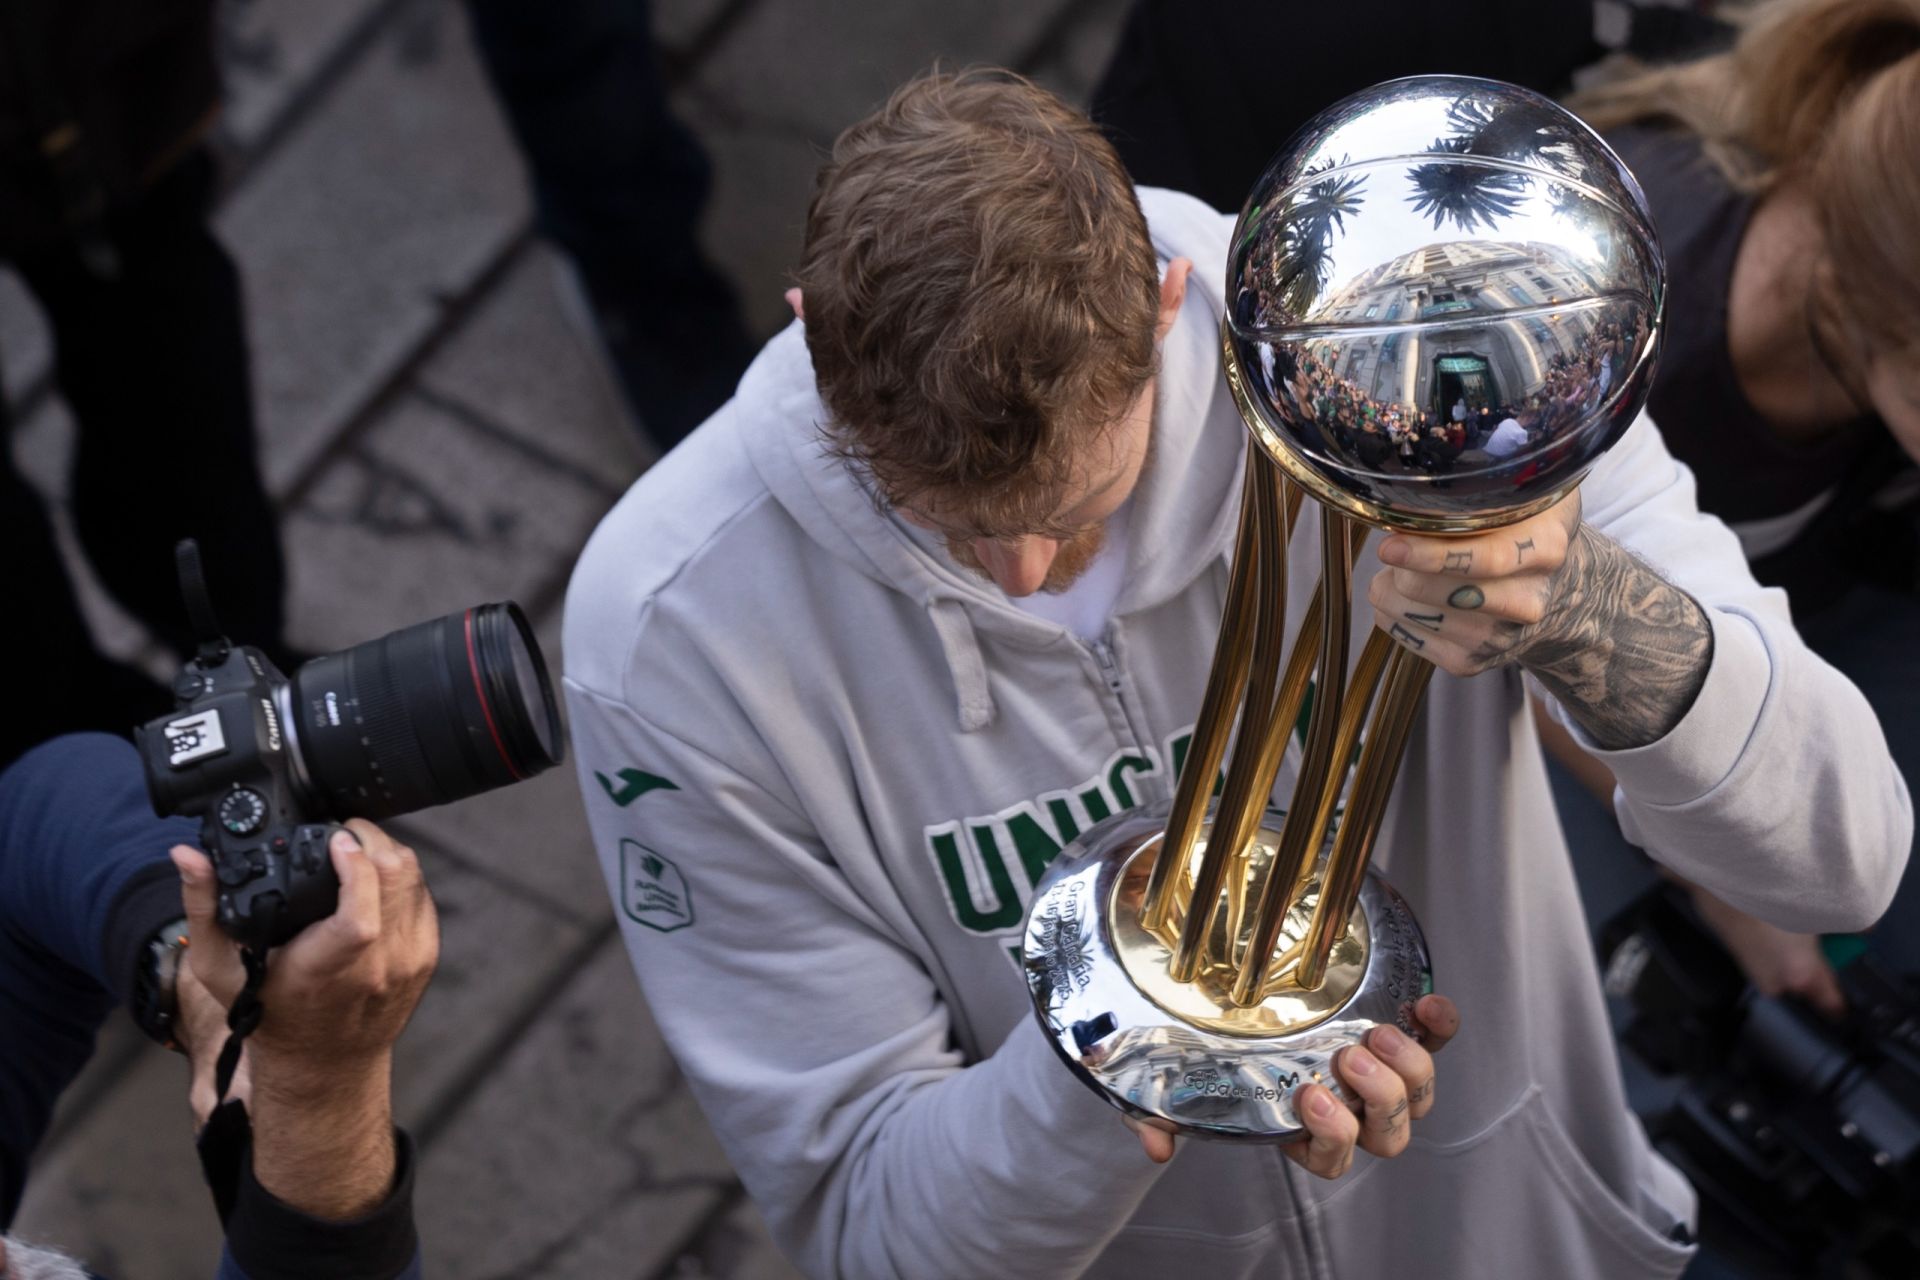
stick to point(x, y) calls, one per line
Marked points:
point(1824, 94)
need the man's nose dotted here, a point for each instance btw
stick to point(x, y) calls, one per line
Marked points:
point(1019, 566)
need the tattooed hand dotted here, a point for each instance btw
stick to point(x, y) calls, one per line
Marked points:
point(1389, 1078)
point(1622, 649)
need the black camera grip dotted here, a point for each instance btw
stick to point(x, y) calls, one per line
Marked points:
point(276, 885)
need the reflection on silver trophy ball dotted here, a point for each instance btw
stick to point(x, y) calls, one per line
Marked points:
point(1444, 304)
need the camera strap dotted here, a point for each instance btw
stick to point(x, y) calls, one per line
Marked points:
point(223, 1146)
point(214, 645)
point(228, 1134)
point(242, 1018)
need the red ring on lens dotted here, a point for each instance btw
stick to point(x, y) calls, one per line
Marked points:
point(473, 666)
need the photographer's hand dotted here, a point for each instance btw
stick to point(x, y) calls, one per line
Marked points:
point(1775, 961)
point(336, 999)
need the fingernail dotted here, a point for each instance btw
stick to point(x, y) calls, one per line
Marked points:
point(1388, 1039)
point(181, 865)
point(345, 842)
point(1393, 551)
point(1360, 1062)
point(1320, 1102)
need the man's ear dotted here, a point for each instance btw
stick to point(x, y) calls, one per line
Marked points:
point(795, 301)
point(1173, 291)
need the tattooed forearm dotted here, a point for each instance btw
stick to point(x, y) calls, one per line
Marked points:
point(1624, 650)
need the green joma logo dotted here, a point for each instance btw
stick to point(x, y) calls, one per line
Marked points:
point(634, 783)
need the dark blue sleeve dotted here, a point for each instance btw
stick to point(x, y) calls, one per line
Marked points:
point(84, 882)
point(268, 1239)
point(79, 836)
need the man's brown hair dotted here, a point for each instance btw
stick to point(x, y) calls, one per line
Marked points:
point(980, 296)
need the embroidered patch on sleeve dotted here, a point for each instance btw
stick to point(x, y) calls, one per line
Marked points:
point(652, 890)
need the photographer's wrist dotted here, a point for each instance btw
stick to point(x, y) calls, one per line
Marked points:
point(271, 1238)
point(295, 1078)
point(323, 1134)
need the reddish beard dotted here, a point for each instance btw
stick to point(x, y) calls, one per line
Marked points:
point(1069, 562)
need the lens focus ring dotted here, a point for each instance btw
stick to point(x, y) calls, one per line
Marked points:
point(431, 713)
point(396, 768)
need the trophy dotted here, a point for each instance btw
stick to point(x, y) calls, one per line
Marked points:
point(1444, 302)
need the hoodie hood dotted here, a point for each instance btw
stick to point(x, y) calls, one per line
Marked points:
point(1198, 448)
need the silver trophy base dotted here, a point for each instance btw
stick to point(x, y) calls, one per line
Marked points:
point(1235, 1079)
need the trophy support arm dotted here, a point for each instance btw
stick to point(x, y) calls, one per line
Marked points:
point(1226, 682)
point(1256, 757)
point(1318, 769)
point(1404, 687)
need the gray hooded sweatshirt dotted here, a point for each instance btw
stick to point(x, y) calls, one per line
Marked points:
point(825, 767)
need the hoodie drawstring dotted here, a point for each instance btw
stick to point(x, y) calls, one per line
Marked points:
point(964, 661)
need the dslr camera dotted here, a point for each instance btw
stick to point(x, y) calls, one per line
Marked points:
point(271, 764)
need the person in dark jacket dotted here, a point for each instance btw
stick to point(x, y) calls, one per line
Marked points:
point(105, 186)
point(619, 185)
point(1200, 94)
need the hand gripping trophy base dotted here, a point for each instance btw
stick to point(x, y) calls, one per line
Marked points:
point(1183, 1053)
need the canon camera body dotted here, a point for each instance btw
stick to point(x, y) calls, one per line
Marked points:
point(271, 764)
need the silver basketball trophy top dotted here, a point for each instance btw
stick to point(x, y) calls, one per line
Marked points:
point(1444, 304)
point(1429, 246)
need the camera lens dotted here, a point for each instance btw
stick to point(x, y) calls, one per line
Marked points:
point(425, 715)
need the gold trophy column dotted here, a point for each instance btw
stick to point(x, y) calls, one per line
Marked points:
point(1247, 671)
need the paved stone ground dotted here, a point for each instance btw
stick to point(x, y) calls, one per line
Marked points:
point(437, 434)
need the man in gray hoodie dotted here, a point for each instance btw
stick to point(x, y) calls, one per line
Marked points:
point(937, 590)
